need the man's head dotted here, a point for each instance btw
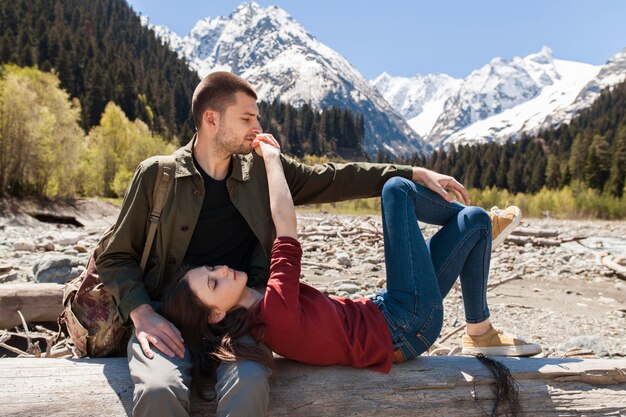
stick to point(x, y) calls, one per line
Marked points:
point(225, 112)
point(217, 91)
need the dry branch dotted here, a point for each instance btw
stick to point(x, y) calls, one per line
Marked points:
point(535, 233)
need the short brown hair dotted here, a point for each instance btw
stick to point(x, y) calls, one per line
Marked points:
point(217, 91)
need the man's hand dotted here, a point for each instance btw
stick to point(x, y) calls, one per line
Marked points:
point(153, 329)
point(266, 139)
point(440, 184)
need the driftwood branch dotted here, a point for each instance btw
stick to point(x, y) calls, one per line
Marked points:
point(536, 232)
point(447, 386)
point(611, 264)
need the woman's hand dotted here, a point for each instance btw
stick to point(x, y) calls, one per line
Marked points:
point(265, 145)
point(441, 184)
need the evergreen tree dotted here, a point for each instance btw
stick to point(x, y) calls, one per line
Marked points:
point(617, 177)
point(597, 164)
point(553, 172)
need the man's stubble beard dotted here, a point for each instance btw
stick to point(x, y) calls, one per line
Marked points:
point(227, 146)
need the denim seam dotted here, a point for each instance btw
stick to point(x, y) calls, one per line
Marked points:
point(434, 201)
point(410, 247)
point(424, 326)
point(484, 305)
point(452, 256)
point(407, 346)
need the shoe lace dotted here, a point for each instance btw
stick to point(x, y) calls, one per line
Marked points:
point(497, 211)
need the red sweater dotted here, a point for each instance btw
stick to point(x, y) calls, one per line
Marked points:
point(302, 324)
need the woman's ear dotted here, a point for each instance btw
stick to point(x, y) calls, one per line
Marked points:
point(216, 316)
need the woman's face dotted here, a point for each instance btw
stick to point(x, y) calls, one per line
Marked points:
point(219, 288)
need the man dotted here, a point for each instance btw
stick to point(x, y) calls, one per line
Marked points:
point(217, 213)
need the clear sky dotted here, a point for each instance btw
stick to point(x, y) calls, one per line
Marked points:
point(409, 37)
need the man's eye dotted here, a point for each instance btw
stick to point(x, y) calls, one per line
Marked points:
point(246, 119)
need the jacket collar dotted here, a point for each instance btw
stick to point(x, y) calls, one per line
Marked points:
point(185, 166)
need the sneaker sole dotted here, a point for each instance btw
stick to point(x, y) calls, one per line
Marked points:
point(520, 350)
point(507, 230)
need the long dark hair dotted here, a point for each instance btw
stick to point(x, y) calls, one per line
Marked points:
point(210, 343)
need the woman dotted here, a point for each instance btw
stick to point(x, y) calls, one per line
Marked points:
point(213, 307)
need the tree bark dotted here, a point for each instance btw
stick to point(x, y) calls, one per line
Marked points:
point(427, 386)
point(37, 302)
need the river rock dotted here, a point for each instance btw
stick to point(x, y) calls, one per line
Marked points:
point(8, 277)
point(24, 245)
point(69, 238)
point(56, 269)
point(587, 342)
point(47, 246)
point(349, 288)
point(343, 259)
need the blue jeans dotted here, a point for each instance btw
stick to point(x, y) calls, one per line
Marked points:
point(420, 273)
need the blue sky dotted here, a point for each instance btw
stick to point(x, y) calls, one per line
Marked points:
point(408, 37)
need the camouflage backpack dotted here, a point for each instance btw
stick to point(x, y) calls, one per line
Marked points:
point(90, 314)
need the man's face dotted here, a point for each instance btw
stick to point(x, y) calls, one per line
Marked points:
point(238, 126)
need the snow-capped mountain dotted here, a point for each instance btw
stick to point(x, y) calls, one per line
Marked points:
point(419, 99)
point(611, 73)
point(280, 59)
point(502, 99)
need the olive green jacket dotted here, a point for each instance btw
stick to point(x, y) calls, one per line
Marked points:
point(118, 264)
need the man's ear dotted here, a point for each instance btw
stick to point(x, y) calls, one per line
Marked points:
point(210, 117)
point(216, 316)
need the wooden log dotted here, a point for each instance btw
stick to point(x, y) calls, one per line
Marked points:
point(445, 386)
point(37, 302)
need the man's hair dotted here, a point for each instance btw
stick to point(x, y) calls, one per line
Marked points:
point(217, 91)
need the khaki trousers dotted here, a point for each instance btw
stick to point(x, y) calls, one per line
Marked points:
point(162, 385)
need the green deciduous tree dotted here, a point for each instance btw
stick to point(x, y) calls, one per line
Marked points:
point(114, 149)
point(40, 139)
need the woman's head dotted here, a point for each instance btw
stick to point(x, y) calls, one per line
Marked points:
point(219, 289)
point(203, 303)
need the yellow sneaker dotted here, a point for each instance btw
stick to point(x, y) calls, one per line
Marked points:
point(503, 222)
point(496, 343)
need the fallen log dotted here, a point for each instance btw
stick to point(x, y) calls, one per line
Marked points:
point(37, 302)
point(611, 264)
point(447, 386)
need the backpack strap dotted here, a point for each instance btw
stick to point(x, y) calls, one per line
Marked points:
point(162, 186)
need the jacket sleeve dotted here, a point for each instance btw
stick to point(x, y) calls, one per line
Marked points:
point(118, 264)
point(333, 182)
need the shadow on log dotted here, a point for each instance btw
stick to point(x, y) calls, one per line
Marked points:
point(427, 386)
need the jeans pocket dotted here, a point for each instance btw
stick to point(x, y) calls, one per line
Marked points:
point(430, 329)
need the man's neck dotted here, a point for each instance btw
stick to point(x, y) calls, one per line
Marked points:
point(213, 163)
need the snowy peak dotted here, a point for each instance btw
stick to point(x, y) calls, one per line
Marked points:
point(611, 73)
point(504, 98)
point(419, 99)
point(541, 67)
point(282, 60)
point(495, 87)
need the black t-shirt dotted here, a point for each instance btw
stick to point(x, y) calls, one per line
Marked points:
point(222, 236)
